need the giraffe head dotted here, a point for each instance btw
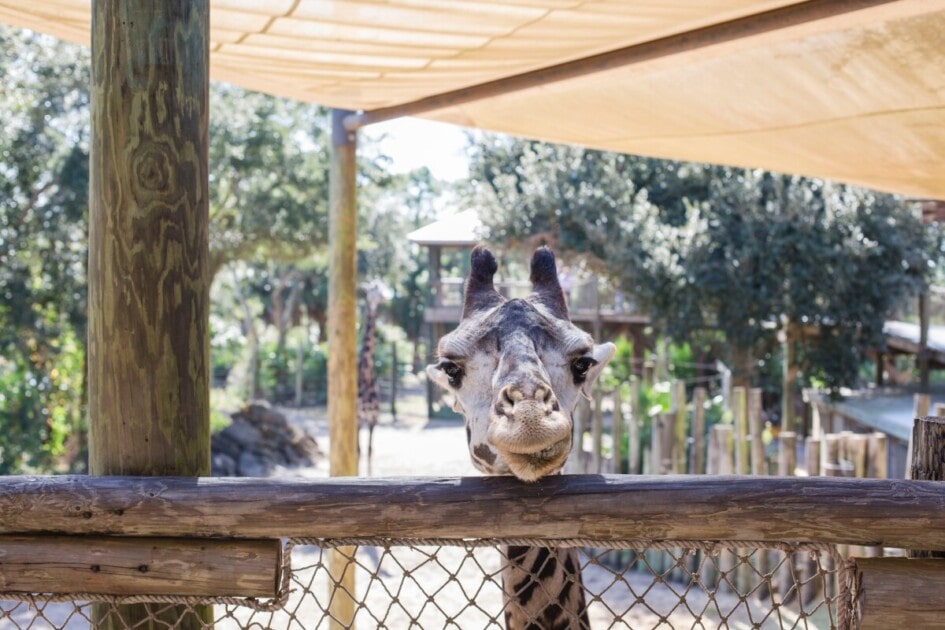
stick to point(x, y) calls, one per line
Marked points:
point(517, 369)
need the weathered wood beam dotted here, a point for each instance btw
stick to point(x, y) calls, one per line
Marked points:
point(888, 512)
point(900, 593)
point(136, 566)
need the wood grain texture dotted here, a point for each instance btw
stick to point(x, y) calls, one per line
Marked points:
point(148, 239)
point(342, 301)
point(133, 566)
point(342, 347)
point(900, 593)
point(892, 513)
point(928, 462)
point(149, 302)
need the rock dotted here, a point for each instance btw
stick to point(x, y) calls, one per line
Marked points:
point(222, 465)
point(260, 442)
point(251, 465)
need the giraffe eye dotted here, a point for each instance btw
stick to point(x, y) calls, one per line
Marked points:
point(453, 371)
point(579, 368)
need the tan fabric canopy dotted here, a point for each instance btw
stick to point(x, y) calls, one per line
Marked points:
point(841, 89)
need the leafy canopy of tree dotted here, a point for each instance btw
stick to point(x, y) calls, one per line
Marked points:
point(732, 251)
point(268, 224)
point(43, 202)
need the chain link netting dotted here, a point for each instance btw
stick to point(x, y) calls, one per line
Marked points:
point(458, 584)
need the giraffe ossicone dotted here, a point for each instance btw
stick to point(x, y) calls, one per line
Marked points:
point(517, 368)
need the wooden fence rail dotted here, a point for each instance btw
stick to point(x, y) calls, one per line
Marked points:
point(892, 513)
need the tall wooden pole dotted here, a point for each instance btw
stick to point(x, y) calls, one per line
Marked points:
point(149, 396)
point(342, 346)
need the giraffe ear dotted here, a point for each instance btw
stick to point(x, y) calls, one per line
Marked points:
point(544, 277)
point(480, 291)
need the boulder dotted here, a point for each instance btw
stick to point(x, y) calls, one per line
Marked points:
point(259, 442)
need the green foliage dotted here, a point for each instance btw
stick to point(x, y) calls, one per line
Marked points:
point(681, 363)
point(620, 368)
point(705, 248)
point(268, 177)
point(43, 210)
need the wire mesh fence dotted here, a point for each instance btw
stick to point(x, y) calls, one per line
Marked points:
point(458, 584)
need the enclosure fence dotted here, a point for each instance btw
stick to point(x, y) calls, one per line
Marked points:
point(457, 584)
point(685, 551)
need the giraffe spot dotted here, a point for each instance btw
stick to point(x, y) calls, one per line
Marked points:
point(484, 453)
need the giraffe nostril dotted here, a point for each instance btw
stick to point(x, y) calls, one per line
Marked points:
point(507, 397)
point(544, 395)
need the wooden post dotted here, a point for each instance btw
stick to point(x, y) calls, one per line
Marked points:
point(633, 429)
point(342, 348)
point(787, 453)
point(724, 445)
point(680, 446)
point(816, 423)
point(813, 456)
point(920, 408)
point(922, 356)
point(649, 373)
point(900, 593)
point(856, 447)
point(928, 461)
point(617, 432)
point(394, 373)
point(597, 433)
point(698, 431)
point(740, 406)
point(878, 454)
point(788, 378)
point(656, 444)
point(759, 466)
point(149, 353)
point(787, 464)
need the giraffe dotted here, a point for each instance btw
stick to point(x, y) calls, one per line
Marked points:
point(368, 392)
point(516, 369)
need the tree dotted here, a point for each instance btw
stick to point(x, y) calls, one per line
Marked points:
point(734, 252)
point(43, 216)
point(268, 177)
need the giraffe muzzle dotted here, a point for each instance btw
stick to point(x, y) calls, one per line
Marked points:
point(530, 433)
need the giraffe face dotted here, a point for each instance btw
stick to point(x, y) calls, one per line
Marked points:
point(516, 369)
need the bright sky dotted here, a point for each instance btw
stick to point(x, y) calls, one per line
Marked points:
point(413, 142)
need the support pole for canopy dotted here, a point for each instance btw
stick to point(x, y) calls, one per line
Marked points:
point(342, 346)
point(149, 397)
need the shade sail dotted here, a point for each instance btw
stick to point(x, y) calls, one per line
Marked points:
point(847, 90)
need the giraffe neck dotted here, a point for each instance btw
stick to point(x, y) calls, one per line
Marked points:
point(542, 588)
point(369, 396)
point(367, 379)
